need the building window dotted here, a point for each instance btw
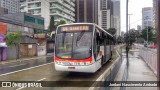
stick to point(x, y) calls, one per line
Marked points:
point(33, 20)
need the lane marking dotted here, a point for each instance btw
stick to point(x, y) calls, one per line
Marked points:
point(26, 87)
point(17, 65)
point(42, 79)
point(25, 69)
point(27, 59)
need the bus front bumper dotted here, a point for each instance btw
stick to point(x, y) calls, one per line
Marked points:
point(88, 69)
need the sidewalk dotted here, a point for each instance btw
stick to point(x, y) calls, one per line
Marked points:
point(138, 71)
point(24, 59)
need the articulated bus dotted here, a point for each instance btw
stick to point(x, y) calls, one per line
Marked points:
point(82, 47)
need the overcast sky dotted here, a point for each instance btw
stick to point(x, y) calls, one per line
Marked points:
point(135, 8)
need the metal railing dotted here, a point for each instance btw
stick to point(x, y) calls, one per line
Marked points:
point(150, 57)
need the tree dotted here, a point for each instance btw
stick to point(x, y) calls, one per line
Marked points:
point(51, 34)
point(52, 26)
point(112, 31)
point(61, 22)
point(131, 37)
point(151, 36)
point(14, 38)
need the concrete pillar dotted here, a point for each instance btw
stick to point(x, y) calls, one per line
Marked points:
point(158, 39)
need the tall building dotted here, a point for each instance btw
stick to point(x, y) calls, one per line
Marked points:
point(105, 14)
point(147, 17)
point(3, 11)
point(139, 28)
point(116, 16)
point(95, 11)
point(11, 5)
point(60, 9)
point(86, 11)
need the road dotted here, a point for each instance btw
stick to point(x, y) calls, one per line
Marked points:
point(43, 70)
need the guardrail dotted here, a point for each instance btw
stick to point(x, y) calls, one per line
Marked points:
point(150, 57)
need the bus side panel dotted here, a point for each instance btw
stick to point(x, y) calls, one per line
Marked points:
point(108, 52)
point(98, 61)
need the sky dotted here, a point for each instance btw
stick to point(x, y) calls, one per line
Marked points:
point(135, 8)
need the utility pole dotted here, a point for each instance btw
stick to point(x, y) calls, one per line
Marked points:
point(129, 20)
point(127, 48)
point(129, 26)
point(158, 37)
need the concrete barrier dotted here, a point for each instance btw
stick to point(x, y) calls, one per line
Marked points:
point(108, 75)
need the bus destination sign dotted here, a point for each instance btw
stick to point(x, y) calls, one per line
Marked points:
point(75, 28)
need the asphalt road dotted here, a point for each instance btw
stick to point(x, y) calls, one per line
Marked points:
point(43, 70)
point(11, 67)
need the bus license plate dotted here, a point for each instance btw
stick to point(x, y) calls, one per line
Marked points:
point(71, 67)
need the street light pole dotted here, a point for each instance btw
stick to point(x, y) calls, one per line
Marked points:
point(127, 48)
point(129, 25)
point(147, 32)
point(129, 20)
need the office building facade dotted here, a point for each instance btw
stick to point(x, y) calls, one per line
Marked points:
point(105, 14)
point(60, 9)
point(11, 5)
point(147, 17)
point(116, 17)
point(95, 11)
point(86, 11)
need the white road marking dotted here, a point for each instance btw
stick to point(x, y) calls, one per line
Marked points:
point(101, 77)
point(25, 69)
point(42, 79)
point(17, 65)
point(26, 87)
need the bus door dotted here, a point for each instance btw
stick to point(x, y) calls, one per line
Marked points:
point(96, 46)
point(105, 51)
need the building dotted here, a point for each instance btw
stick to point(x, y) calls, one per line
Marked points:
point(86, 11)
point(11, 5)
point(105, 14)
point(139, 28)
point(95, 11)
point(60, 9)
point(33, 34)
point(3, 11)
point(116, 16)
point(147, 17)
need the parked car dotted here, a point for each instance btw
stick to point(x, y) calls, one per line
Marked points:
point(152, 46)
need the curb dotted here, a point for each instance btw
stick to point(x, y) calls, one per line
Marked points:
point(102, 77)
point(25, 59)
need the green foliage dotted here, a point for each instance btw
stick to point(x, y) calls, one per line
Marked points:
point(132, 36)
point(151, 36)
point(61, 22)
point(144, 33)
point(13, 38)
point(112, 31)
point(52, 26)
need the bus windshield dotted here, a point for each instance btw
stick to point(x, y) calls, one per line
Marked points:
point(74, 45)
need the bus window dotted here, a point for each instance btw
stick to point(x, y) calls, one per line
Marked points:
point(74, 45)
point(96, 46)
